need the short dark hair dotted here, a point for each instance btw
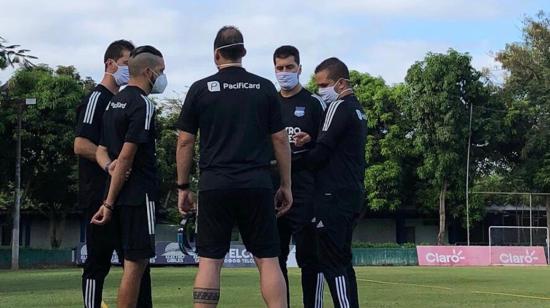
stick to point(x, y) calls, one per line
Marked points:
point(286, 51)
point(230, 35)
point(115, 49)
point(146, 49)
point(336, 68)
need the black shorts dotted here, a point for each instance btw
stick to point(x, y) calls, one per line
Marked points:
point(135, 227)
point(253, 211)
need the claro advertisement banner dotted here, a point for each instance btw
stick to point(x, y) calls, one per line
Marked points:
point(480, 255)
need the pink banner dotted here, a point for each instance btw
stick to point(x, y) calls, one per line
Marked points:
point(479, 255)
point(515, 255)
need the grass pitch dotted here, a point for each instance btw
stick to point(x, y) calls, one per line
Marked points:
point(378, 287)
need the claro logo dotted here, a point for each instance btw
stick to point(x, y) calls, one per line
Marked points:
point(433, 257)
point(510, 258)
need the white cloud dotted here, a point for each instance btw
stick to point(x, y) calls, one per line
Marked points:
point(65, 32)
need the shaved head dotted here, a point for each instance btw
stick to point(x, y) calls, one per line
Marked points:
point(142, 58)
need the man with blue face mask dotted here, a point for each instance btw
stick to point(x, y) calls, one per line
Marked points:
point(129, 137)
point(301, 111)
point(338, 158)
point(99, 240)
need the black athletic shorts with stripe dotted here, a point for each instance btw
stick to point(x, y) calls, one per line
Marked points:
point(135, 226)
point(251, 209)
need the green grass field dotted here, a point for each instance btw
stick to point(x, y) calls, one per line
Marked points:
point(378, 287)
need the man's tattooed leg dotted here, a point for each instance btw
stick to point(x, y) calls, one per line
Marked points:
point(206, 296)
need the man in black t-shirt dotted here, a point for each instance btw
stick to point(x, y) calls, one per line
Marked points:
point(302, 111)
point(239, 119)
point(99, 242)
point(129, 136)
point(339, 160)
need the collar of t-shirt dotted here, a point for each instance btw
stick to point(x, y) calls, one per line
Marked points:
point(103, 88)
point(135, 88)
point(293, 96)
point(229, 69)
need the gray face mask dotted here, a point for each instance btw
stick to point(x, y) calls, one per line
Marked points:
point(160, 84)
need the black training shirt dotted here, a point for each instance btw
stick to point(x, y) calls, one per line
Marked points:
point(130, 117)
point(344, 134)
point(236, 113)
point(302, 112)
point(89, 114)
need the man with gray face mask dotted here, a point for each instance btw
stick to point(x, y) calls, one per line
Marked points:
point(302, 111)
point(99, 240)
point(129, 137)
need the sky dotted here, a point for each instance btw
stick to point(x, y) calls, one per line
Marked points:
point(382, 38)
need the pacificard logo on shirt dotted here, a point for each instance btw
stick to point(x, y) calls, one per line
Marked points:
point(116, 105)
point(214, 86)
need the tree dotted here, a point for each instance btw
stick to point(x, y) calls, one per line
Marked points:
point(440, 90)
point(10, 55)
point(49, 173)
point(528, 64)
point(388, 151)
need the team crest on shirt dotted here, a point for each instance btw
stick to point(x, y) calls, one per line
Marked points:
point(300, 111)
point(360, 115)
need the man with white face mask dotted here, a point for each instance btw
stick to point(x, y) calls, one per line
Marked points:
point(129, 137)
point(338, 158)
point(99, 241)
point(302, 111)
point(239, 119)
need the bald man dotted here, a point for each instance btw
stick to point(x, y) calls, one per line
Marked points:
point(129, 136)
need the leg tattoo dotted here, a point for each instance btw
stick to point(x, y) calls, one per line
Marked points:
point(206, 296)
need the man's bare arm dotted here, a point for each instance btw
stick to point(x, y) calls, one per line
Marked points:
point(85, 148)
point(281, 148)
point(184, 156)
point(124, 164)
point(102, 157)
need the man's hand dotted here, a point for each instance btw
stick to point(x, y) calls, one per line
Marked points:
point(283, 200)
point(301, 138)
point(102, 216)
point(185, 201)
point(112, 167)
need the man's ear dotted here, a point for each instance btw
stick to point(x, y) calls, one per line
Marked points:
point(300, 69)
point(244, 53)
point(109, 66)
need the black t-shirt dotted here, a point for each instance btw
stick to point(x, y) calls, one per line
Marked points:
point(236, 113)
point(344, 132)
point(89, 114)
point(302, 112)
point(130, 117)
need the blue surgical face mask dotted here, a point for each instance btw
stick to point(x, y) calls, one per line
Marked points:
point(121, 76)
point(287, 80)
point(160, 84)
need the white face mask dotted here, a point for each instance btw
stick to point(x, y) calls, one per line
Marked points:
point(329, 94)
point(160, 84)
point(287, 80)
point(121, 76)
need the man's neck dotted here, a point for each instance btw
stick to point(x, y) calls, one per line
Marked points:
point(143, 85)
point(108, 82)
point(346, 92)
point(224, 63)
point(292, 92)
